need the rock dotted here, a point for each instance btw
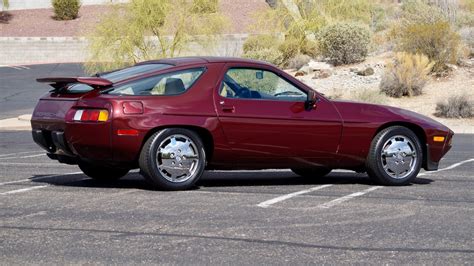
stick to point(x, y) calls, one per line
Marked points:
point(306, 69)
point(452, 67)
point(322, 74)
point(354, 69)
point(366, 72)
point(300, 73)
point(315, 66)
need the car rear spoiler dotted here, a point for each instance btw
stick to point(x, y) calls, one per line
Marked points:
point(59, 82)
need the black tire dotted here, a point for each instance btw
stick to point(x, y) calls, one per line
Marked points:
point(375, 160)
point(102, 173)
point(152, 163)
point(311, 172)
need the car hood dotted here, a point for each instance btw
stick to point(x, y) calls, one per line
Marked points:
point(374, 113)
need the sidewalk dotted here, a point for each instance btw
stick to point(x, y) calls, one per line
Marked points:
point(21, 122)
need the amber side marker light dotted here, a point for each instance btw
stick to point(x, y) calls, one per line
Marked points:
point(438, 138)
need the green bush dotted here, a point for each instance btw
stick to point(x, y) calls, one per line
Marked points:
point(205, 6)
point(455, 107)
point(258, 42)
point(298, 61)
point(467, 36)
point(406, 75)
point(435, 40)
point(270, 55)
point(66, 9)
point(344, 43)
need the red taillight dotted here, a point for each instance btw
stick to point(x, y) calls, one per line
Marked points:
point(91, 115)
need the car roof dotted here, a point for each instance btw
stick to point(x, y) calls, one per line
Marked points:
point(182, 61)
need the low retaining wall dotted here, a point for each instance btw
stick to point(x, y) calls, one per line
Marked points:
point(33, 4)
point(36, 50)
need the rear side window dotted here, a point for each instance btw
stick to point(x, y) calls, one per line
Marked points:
point(133, 71)
point(172, 83)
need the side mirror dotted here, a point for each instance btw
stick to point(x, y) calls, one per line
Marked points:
point(311, 101)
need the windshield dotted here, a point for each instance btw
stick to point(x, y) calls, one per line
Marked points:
point(133, 71)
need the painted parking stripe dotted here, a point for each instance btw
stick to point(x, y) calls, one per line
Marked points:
point(267, 203)
point(347, 197)
point(17, 153)
point(363, 192)
point(23, 157)
point(21, 190)
point(449, 167)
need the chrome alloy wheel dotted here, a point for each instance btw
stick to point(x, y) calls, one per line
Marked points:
point(399, 157)
point(177, 158)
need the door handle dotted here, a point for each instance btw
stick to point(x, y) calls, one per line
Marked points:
point(227, 107)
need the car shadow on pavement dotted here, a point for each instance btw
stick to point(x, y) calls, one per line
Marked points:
point(219, 179)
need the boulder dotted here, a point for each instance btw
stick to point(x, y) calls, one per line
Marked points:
point(300, 73)
point(315, 66)
point(366, 72)
point(322, 74)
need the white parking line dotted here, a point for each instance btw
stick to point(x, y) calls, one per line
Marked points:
point(21, 190)
point(347, 197)
point(17, 153)
point(23, 157)
point(36, 178)
point(267, 203)
point(448, 168)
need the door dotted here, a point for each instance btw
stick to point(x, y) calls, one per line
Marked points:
point(263, 116)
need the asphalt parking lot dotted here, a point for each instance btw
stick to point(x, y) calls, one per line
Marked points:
point(51, 213)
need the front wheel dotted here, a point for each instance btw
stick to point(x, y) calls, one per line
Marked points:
point(395, 156)
point(311, 172)
point(102, 173)
point(173, 159)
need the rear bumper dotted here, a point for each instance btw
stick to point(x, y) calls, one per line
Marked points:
point(55, 144)
point(52, 141)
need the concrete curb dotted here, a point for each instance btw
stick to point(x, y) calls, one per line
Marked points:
point(21, 122)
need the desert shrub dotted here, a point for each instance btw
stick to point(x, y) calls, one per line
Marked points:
point(270, 55)
point(298, 61)
point(368, 96)
point(66, 9)
point(406, 75)
point(205, 6)
point(289, 48)
point(435, 40)
point(455, 107)
point(344, 43)
point(258, 42)
point(467, 36)
point(425, 29)
point(263, 47)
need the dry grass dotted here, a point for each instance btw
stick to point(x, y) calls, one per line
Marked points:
point(455, 107)
point(406, 75)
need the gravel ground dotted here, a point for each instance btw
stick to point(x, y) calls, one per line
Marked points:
point(40, 22)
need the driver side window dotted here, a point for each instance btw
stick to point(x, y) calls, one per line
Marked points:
point(247, 83)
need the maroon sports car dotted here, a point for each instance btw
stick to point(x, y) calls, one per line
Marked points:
point(175, 118)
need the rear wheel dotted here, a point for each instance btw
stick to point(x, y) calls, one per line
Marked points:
point(395, 156)
point(102, 173)
point(311, 172)
point(173, 159)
